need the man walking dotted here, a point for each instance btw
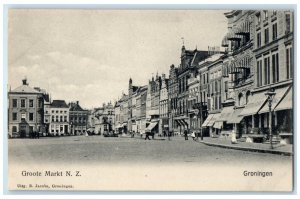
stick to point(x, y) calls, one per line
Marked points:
point(147, 136)
point(185, 134)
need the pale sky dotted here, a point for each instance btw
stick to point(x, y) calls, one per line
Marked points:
point(89, 55)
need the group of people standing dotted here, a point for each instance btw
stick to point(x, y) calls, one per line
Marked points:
point(193, 135)
point(35, 135)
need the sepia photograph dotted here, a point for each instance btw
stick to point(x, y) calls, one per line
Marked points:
point(150, 99)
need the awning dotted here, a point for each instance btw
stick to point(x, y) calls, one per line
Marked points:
point(226, 113)
point(218, 124)
point(235, 117)
point(184, 122)
point(276, 99)
point(286, 103)
point(212, 121)
point(151, 126)
point(210, 116)
point(255, 103)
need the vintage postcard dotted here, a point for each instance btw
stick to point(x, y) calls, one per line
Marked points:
point(150, 100)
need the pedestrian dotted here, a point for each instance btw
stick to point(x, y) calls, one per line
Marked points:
point(193, 135)
point(169, 135)
point(185, 134)
point(233, 137)
point(147, 136)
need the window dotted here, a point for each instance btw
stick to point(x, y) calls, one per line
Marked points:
point(14, 129)
point(216, 86)
point(267, 70)
point(258, 40)
point(31, 103)
point(23, 115)
point(15, 103)
point(247, 96)
point(14, 116)
point(23, 103)
point(30, 116)
point(52, 118)
point(274, 26)
point(259, 73)
point(266, 35)
point(289, 66)
point(288, 22)
point(57, 118)
point(258, 19)
point(275, 68)
point(274, 12)
point(52, 111)
point(61, 118)
point(240, 99)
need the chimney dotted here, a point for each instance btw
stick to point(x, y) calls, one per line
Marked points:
point(24, 81)
point(77, 102)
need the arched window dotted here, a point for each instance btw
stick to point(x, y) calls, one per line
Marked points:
point(240, 99)
point(247, 96)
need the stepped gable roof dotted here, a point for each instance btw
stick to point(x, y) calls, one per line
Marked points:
point(59, 104)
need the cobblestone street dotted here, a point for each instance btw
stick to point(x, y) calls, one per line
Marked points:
point(98, 149)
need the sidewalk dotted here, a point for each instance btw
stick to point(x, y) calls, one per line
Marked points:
point(255, 147)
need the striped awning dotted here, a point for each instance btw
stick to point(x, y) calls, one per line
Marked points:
point(280, 93)
point(287, 102)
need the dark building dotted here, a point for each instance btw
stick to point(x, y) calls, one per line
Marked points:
point(78, 118)
point(173, 94)
point(189, 63)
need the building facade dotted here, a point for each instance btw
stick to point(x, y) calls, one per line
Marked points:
point(78, 119)
point(164, 106)
point(59, 123)
point(25, 111)
point(173, 98)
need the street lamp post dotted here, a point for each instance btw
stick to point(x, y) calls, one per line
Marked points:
point(270, 94)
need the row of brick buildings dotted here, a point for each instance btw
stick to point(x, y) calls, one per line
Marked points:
point(221, 91)
point(31, 110)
